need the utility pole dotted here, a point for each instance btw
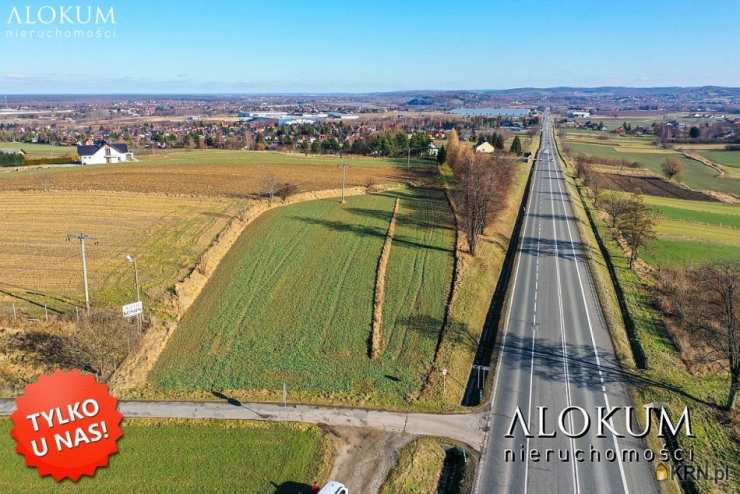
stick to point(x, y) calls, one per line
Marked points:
point(343, 166)
point(82, 237)
point(131, 259)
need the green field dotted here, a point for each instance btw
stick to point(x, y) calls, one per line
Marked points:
point(692, 232)
point(729, 160)
point(40, 150)
point(292, 302)
point(695, 174)
point(190, 456)
point(726, 158)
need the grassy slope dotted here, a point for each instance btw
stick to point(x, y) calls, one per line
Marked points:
point(713, 443)
point(418, 469)
point(292, 302)
point(695, 174)
point(190, 456)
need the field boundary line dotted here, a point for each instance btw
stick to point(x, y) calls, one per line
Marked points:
point(454, 285)
point(376, 333)
point(704, 161)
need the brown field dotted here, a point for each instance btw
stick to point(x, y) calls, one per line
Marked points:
point(646, 184)
point(215, 173)
point(40, 267)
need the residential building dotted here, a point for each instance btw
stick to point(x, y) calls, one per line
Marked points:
point(104, 153)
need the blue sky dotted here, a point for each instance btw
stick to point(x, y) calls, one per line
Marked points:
point(352, 46)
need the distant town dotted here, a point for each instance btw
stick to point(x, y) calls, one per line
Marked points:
point(358, 124)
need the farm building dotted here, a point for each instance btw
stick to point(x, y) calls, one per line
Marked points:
point(485, 147)
point(104, 153)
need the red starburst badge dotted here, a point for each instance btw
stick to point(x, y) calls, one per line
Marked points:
point(66, 425)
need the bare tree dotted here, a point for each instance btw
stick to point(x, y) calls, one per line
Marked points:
point(671, 168)
point(485, 183)
point(637, 225)
point(270, 185)
point(721, 284)
point(105, 339)
point(615, 204)
point(286, 190)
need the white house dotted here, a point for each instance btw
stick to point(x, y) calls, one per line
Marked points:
point(485, 147)
point(105, 153)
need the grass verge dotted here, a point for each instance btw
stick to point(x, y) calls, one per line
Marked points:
point(418, 469)
point(191, 456)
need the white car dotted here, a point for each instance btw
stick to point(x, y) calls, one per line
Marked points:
point(333, 487)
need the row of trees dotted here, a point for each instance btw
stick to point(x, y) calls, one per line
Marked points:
point(11, 159)
point(483, 184)
point(496, 140)
point(705, 299)
point(393, 145)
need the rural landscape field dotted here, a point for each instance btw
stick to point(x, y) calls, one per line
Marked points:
point(215, 173)
point(646, 154)
point(693, 232)
point(42, 267)
point(293, 303)
point(370, 248)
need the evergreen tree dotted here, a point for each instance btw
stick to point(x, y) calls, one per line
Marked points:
point(516, 146)
point(442, 155)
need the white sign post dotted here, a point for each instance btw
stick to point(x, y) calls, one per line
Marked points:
point(444, 381)
point(133, 309)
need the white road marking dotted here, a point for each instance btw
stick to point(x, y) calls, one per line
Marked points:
point(576, 482)
point(593, 341)
point(531, 355)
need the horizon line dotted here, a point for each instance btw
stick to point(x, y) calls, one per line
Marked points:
point(361, 93)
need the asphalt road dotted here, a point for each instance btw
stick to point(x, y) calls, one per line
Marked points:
point(465, 428)
point(556, 353)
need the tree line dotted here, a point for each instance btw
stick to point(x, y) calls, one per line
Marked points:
point(704, 299)
point(483, 183)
